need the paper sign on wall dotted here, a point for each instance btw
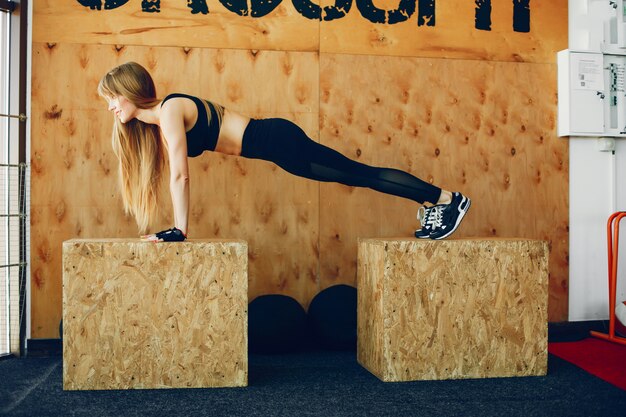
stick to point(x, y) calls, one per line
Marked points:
point(589, 75)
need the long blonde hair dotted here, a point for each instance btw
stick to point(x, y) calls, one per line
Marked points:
point(137, 145)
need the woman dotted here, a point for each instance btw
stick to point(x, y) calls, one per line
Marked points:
point(146, 128)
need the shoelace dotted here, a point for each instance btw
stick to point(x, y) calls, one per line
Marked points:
point(431, 217)
point(421, 215)
point(435, 217)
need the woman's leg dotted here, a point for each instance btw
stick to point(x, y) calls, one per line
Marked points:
point(285, 144)
point(291, 149)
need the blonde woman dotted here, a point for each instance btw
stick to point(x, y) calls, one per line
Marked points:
point(146, 130)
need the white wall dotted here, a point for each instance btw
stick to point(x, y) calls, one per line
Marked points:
point(597, 188)
point(595, 192)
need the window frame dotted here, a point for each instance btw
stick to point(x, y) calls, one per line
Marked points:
point(17, 55)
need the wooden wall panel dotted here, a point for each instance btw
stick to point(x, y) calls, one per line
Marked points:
point(454, 34)
point(484, 128)
point(482, 122)
point(74, 172)
point(174, 25)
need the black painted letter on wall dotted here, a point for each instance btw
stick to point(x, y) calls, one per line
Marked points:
point(521, 15)
point(258, 8)
point(313, 11)
point(482, 19)
point(108, 4)
point(405, 9)
point(426, 13)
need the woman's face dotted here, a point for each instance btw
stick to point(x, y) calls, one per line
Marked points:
point(122, 108)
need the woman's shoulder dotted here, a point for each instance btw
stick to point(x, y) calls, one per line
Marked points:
point(177, 95)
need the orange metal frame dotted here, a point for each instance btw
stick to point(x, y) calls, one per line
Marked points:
point(612, 231)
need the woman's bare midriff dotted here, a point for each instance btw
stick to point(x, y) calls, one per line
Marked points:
point(231, 133)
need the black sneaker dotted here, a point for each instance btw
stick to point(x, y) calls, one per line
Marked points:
point(428, 218)
point(451, 216)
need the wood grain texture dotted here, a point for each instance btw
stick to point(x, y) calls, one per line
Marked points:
point(140, 315)
point(454, 34)
point(175, 25)
point(74, 171)
point(452, 309)
point(486, 129)
point(482, 123)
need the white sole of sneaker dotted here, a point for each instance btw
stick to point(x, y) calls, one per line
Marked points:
point(462, 212)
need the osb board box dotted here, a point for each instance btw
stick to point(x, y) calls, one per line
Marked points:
point(452, 309)
point(142, 315)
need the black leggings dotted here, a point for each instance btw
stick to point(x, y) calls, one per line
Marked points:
point(284, 143)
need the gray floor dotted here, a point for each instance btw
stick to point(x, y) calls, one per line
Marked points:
point(314, 383)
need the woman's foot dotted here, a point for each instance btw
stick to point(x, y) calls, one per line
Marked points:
point(428, 218)
point(440, 221)
point(451, 216)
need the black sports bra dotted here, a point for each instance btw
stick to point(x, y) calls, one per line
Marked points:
point(203, 135)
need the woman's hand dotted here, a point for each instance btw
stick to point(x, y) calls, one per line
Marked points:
point(170, 235)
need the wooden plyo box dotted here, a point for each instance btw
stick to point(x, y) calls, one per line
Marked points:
point(142, 315)
point(452, 309)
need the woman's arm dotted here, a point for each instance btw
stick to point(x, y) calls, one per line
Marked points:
point(173, 128)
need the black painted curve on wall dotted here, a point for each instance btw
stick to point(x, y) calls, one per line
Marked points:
point(198, 6)
point(405, 10)
point(97, 4)
point(153, 6)
point(258, 8)
point(339, 10)
point(313, 11)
